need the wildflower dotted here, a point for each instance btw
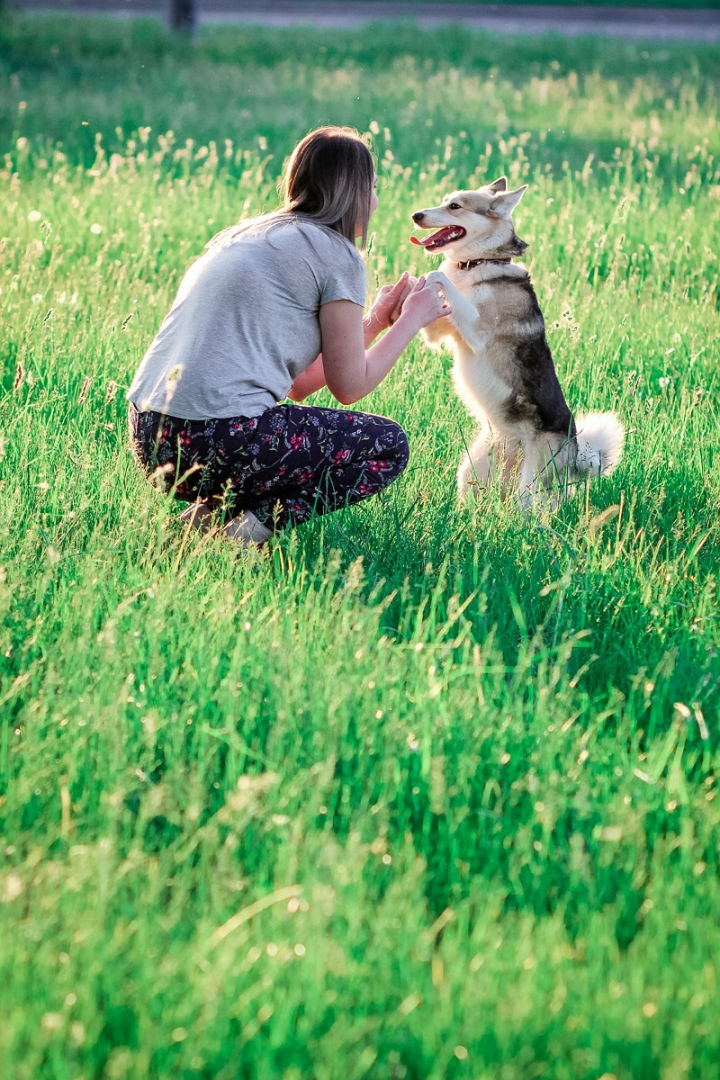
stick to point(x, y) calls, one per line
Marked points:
point(34, 215)
point(36, 297)
point(95, 229)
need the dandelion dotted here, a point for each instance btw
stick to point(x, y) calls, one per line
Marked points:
point(36, 297)
point(12, 889)
point(95, 228)
point(34, 215)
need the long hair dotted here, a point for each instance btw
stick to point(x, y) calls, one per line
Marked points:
point(329, 179)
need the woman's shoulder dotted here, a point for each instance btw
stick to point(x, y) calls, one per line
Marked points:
point(325, 239)
point(287, 229)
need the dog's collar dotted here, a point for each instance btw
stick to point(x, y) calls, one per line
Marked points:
point(476, 262)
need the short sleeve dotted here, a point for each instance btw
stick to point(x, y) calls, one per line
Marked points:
point(345, 277)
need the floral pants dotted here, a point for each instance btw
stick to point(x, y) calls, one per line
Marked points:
point(291, 462)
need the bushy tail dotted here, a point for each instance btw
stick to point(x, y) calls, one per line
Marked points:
point(600, 439)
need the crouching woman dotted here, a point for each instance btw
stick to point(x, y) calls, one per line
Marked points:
point(272, 310)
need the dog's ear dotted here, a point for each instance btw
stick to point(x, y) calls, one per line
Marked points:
point(497, 185)
point(506, 201)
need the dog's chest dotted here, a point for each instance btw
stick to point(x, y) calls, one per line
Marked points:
point(481, 372)
point(491, 303)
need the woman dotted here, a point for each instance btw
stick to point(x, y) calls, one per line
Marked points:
point(274, 309)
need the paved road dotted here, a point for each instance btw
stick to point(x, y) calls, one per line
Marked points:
point(635, 23)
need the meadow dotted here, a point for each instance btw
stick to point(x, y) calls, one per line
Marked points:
point(427, 791)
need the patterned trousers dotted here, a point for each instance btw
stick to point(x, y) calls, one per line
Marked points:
point(291, 462)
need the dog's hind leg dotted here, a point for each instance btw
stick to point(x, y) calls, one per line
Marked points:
point(476, 467)
point(546, 466)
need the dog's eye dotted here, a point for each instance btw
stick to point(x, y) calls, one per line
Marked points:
point(454, 206)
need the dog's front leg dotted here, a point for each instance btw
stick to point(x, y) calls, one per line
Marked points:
point(464, 317)
point(437, 332)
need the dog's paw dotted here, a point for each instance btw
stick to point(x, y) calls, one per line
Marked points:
point(436, 277)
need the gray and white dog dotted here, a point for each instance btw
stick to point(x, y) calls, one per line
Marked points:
point(504, 370)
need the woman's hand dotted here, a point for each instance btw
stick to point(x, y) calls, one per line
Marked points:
point(351, 372)
point(387, 307)
point(425, 303)
point(409, 286)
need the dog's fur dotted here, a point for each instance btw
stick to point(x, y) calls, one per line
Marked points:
point(504, 370)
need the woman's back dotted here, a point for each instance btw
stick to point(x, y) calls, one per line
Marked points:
point(244, 323)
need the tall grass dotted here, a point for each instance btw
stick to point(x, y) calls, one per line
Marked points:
point(426, 791)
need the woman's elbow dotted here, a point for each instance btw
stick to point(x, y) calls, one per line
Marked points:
point(343, 394)
point(345, 399)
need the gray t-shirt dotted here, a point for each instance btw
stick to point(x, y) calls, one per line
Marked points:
point(244, 323)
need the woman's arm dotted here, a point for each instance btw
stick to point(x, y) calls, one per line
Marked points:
point(308, 381)
point(351, 373)
point(387, 302)
point(377, 319)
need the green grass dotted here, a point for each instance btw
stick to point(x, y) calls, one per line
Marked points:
point(428, 791)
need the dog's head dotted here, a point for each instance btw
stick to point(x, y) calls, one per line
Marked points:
point(473, 224)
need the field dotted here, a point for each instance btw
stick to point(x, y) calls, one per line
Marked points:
point(429, 791)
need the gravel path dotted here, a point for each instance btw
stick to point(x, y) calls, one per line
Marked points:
point(635, 23)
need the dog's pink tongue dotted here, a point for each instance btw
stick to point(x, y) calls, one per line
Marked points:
point(436, 239)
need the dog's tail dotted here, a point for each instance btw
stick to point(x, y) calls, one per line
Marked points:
point(600, 439)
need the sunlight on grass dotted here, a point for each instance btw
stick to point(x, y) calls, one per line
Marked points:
point(426, 791)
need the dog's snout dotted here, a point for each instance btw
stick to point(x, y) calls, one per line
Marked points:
point(418, 216)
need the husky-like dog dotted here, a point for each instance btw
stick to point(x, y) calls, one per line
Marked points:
point(504, 370)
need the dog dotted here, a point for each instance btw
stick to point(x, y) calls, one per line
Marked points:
point(504, 370)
